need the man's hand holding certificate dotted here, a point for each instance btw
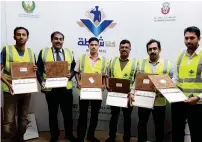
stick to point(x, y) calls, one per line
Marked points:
point(167, 88)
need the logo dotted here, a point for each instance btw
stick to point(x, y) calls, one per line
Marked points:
point(125, 75)
point(191, 72)
point(28, 6)
point(96, 22)
point(167, 17)
point(165, 8)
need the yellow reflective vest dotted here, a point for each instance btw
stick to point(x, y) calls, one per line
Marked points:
point(13, 56)
point(190, 74)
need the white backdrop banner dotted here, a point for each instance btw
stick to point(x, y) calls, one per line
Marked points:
point(111, 22)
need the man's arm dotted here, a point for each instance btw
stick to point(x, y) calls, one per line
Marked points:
point(40, 70)
point(3, 63)
point(72, 72)
point(132, 91)
point(173, 73)
point(77, 72)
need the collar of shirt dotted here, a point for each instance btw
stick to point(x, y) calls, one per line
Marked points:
point(154, 64)
point(98, 57)
point(123, 59)
point(196, 52)
point(54, 50)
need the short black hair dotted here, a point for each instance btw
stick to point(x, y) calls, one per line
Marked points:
point(93, 39)
point(56, 32)
point(193, 29)
point(125, 41)
point(152, 41)
point(21, 28)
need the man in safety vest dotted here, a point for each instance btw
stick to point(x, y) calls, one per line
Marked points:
point(124, 68)
point(56, 97)
point(89, 63)
point(154, 65)
point(9, 54)
point(189, 69)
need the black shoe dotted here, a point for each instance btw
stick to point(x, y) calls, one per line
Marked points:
point(79, 140)
point(71, 138)
point(54, 140)
point(92, 139)
point(110, 139)
point(127, 139)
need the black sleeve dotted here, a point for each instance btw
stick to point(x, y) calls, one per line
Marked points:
point(40, 69)
point(34, 59)
point(73, 64)
point(3, 57)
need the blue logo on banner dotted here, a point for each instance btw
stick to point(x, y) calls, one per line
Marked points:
point(96, 23)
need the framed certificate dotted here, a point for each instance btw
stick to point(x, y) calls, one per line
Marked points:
point(23, 78)
point(56, 74)
point(167, 88)
point(119, 92)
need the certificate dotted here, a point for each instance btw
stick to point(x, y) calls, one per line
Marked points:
point(56, 82)
point(173, 95)
point(167, 88)
point(91, 94)
point(144, 99)
point(22, 86)
point(117, 99)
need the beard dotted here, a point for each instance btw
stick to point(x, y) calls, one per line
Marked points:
point(153, 57)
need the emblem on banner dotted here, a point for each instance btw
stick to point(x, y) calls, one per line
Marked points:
point(28, 6)
point(96, 22)
point(165, 8)
point(166, 16)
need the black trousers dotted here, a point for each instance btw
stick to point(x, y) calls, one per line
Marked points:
point(193, 113)
point(115, 111)
point(63, 98)
point(158, 116)
point(83, 115)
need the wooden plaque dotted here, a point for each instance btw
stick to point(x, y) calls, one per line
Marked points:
point(56, 69)
point(143, 82)
point(119, 85)
point(22, 70)
point(91, 80)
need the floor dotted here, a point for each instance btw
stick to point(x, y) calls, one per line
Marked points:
point(102, 136)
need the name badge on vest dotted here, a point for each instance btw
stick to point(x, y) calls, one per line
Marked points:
point(191, 73)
